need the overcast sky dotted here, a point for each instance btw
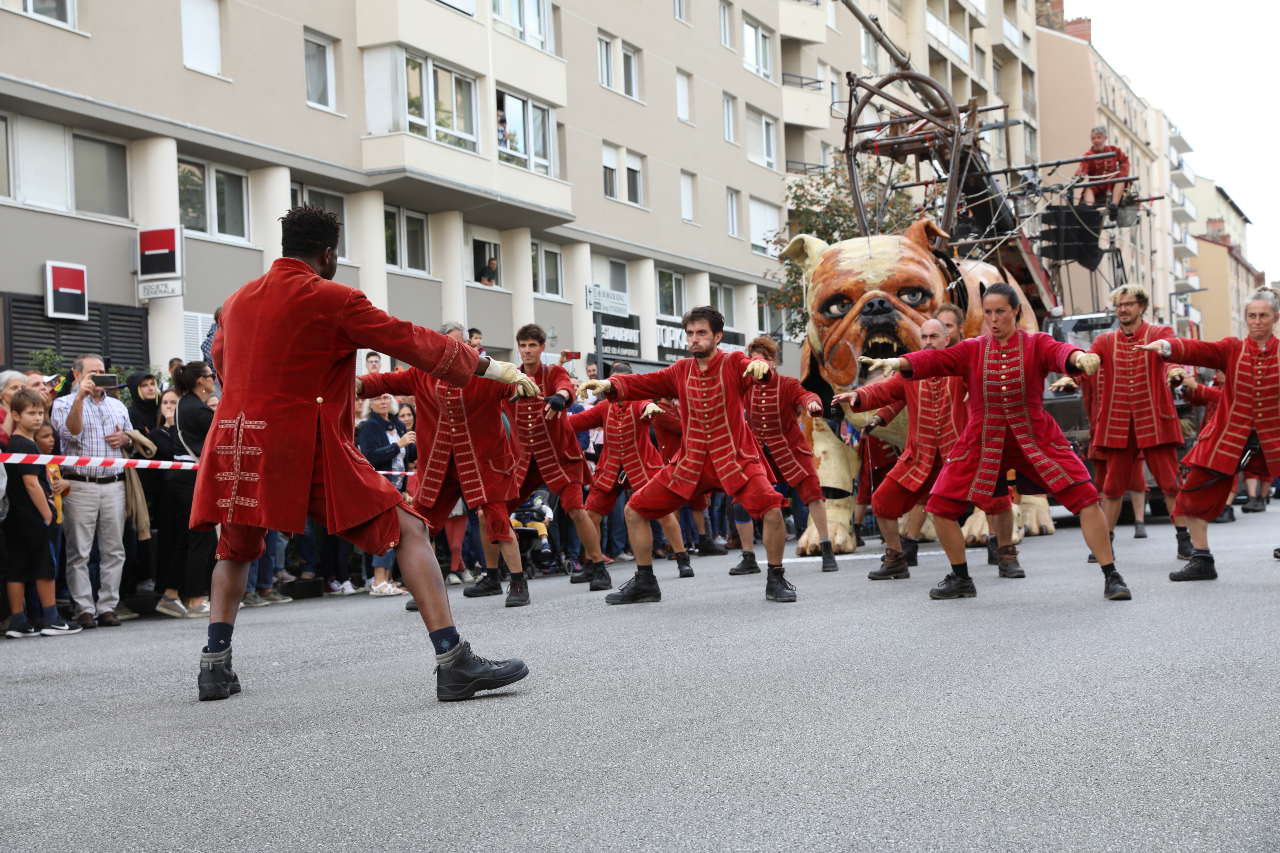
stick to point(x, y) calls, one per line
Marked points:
point(1207, 65)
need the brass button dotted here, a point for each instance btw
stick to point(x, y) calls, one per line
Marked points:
point(1004, 387)
point(319, 399)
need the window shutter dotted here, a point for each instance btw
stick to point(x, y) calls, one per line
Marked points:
point(42, 162)
point(201, 36)
point(682, 95)
point(755, 137)
point(610, 156)
point(686, 196)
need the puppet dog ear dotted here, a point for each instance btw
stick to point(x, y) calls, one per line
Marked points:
point(806, 252)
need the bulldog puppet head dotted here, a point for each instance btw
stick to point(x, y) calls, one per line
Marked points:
point(868, 296)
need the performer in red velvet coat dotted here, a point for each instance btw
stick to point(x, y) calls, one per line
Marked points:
point(1008, 428)
point(718, 450)
point(936, 415)
point(465, 452)
point(773, 413)
point(281, 446)
point(1244, 433)
point(549, 451)
point(627, 461)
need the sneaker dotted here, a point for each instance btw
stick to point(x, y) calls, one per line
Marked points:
point(384, 589)
point(307, 576)
point(60, 629)
point(747, 565)
point(147, 587)
point(721, 541)
point(600, 578)
point(1139, 530)
point(200, 611)
point(124, 614)
point(332, 587)
point(171, 607)
point(708, 547)
point(607, 560)
point(892, 567)
point(487, 585)
point(27, 630)
point(271, 596)
point(624, 557)
point(466, 577)
point(1197, 569)
point(1184, 545)
point(642, 588)
point(583, 573)
point(910, 550)
point(452, 578)
point(348, 589)
point(518, 591)
point(1115, 588)
point(283, 576)
point(778, 588)
point(954, 586)
point(217, 680)
point(828, 558)
point(686, 570)
point(460, 673)
point(1007, 558)
point(252, 599)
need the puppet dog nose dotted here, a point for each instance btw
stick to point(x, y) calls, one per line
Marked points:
point(876, 307)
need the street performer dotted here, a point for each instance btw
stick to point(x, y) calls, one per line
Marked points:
point(773, 413)
point(936, 415)
point(1244, 432)
point(285, 354)
point(718, 451)
point(628, 460)
point(465, 452)
point(1135, 415)
point(1115, 166)
point(1008, 428)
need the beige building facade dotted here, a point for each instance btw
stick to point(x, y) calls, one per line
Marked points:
point(1226, 280)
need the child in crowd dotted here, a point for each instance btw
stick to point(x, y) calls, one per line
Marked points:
point(31, 529)
point(535, 514)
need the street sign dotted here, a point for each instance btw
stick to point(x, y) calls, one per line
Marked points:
point(159, 253)
point(157, 289)
point(608, 301)
point(66, 293)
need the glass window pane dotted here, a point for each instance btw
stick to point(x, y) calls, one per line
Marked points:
point(537, 285)
point(295, 193)
point(317, 69)
point(463, 105)
point(666, 294)
point(415, 98)
point(629, 74)
point(390, 223)
point(748, 45)
point(633, 185)
point(533, 33)
point(538, 133)
point(4, 157)
point(230, 200)
point(442, 89)
point(551, 272)
point(101, 176)
point(59, 10)
point(618, 276)
point(334, 204)
point(192, 196)
point(415, 243)
point(766, 53)
point(715, 297)
point(511, 135)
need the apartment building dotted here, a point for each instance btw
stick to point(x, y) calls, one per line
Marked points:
point(641, 146)
point(1226, 279)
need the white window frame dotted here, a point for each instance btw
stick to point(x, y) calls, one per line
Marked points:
point(831, 13)
point(304, 195)
point(762, 40)
point(604, 50)
point(631, 57)
point(688, 196)
point(724, 295)
point(730, 108)
point(765, 249)
point(677, 293)
point(770, 142)
point(543, 250)
point(328, 44)
point(211, 199)
point(733, 204)
point(682, 10)
point(71, 134)
point(684, 96)
point(530, 10)
point(215, 72)
point(626, 275)
point(7, 165)
point(870, 53)
point(639, 200)
point(402, 216)
point(726, 24)
point(605, 158)
point(427, 66)
point(528, 160)
point(28, 6)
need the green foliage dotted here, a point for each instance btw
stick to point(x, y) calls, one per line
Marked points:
point(821, 205)
point(46, 360)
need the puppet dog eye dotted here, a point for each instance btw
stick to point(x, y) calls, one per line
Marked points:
point(836, 307)
point(913, 296)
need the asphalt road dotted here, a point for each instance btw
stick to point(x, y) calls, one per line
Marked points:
point(1037, 716)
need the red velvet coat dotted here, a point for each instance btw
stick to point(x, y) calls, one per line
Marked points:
point(627, 447)
point(551, 442)
point(1131, 388)
point(285, 354)
point(667, 430)
point(712, 407)
point(1008, 404)
point(1250, 401)
point(936, 415)
point(462, 424)
point(1208, 396)
point(773, 411)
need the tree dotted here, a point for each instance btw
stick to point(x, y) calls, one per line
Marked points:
point(46, 360)
point(821, 204)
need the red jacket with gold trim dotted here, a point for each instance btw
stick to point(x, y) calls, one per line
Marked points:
point(285, 354)
point(667, 431)
point(715, 436)
point(1131, 388)
point(773, 412)
point(627, 447)
point(462, 424)
point(936, 415)
point(1250, 401)
point(550, 442)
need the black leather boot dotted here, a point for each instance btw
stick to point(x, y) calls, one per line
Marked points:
point(459, 674)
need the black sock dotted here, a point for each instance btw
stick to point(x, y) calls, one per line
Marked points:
point(1108, 569)
point(445, 640)
point(1179, 530)
point(51, 616)
point(960, 570)
point(1201, 552)
point(774, 568)
point(644, 570)
point(495, 574)
point(219, 637)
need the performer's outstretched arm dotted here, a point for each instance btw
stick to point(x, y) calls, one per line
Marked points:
point(1215, 354)
point(368, 327)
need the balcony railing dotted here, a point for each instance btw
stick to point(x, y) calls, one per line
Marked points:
point(939, 29)
point(1028, 103)
point(1183, 175)
point(799, 167)
point(1012, 34)
point(1183, 209)
point(812, 84)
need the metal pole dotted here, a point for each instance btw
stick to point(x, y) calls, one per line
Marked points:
point(900, 59)
point(599, 345)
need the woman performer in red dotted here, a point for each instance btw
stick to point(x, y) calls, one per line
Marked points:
point(1244, 433)
point(1008, 428)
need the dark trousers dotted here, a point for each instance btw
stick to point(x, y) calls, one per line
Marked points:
point(186, 555)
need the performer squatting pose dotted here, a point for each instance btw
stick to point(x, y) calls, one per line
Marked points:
point(285, 354)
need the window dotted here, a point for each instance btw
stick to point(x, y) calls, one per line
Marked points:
point(42, 163)
point(101, 176)
point(837, 96)
point(870, 52)
point(682, 96)
point(682, 10)
point(415, 241)
point(231, 198)
point(979, 63)
point(757, 48)
point(634, 166)
point(630, 73)
point(686, 196)
point(524, 19)
point(333, 203)
point(453, 117)
point(546, 269)
point(726, 25)
point(605, 48)
point(761, 144)
point(318, 56)
point(58, 10)
point(722, 301)
point(996, 82)
point(4, 156)
point(610, 171)
point(730, 106)
point(391, 225)
point(731, 205)
point(831, 13)
point(670, 293)
point(764, 225)
point(201, 36)
point(213, 199)
point(618, 276)
point(768, 316)
point(1029, 154)
point(193, 202)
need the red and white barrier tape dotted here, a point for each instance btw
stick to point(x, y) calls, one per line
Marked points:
point(103, 462)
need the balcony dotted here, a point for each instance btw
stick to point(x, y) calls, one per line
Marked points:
point(947, 37)
point(799, 167)
point(1183, 209)
point(804, 104)
point(812, 84)
point(1028, 104)
point(802, 20)
point(1178, 142)
point(1186, 248)
point(1012, 35)
point(1183, 176)
point(1188, 284)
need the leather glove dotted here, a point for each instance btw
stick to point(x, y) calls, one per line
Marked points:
point(871, 424)
point(557, 402)
point(1089, 363)
point(757, 369)
point(599, 387)
point(359, 387)
point(887, 366)
point(650, 410)
point(1176, 376)
point(508, 374)
point(1066, 383)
